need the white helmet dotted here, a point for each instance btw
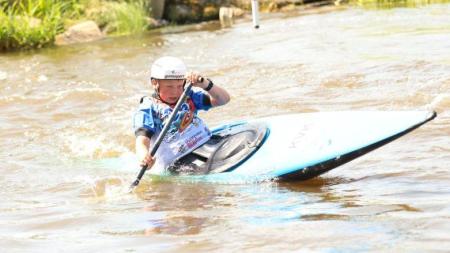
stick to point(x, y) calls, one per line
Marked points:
point(168, 67)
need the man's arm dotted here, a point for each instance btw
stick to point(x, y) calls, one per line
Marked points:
point(219, 96)
point(142, 147)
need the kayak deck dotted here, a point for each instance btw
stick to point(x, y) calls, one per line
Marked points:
point(306, 145)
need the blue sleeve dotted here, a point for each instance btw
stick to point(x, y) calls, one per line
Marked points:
point(201, 100)
point(143, 123)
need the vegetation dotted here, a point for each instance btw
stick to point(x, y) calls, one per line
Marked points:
point(35, 23)
point(28, 24)
point(120, 17)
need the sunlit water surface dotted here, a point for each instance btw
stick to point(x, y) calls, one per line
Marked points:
point(66, 139)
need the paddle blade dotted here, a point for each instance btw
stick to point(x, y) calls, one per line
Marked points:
point(138, 178)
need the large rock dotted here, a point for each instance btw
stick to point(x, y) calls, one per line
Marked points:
point(188, 11)
point(155, 23)
point(210, 12)
point(183, 13)
point(82, 32)
point(157, 8)
point(227, 15)
point(244, 4)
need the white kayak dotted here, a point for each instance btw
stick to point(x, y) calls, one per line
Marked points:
point(295, 146)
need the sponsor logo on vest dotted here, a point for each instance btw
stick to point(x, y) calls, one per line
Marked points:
point(191, 142)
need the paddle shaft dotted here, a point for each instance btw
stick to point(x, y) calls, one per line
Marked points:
point(164, 131)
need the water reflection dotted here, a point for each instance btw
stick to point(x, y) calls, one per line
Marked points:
point(189, 208)
point(184, 207)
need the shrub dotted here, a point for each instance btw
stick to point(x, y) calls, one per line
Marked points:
point(29, 24)
point(120, 17)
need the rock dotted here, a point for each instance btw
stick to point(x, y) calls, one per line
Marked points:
point(289, 7)
point(82, 32)
point(273, 6)
point(228, 14)
point(101, 15)
point(157, 8)
point(183, 13)
point(188, 11)
point(210, 12)
point(245, 4)
point(153, 23)
point(339, 2)
point(238, 12)
point(178, 12)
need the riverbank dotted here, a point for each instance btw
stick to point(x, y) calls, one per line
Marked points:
point(27, 24)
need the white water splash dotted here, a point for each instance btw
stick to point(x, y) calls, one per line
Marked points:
point(3, 75)
point(440, 103)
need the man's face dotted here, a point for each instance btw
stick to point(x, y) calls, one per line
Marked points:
point(169, 90)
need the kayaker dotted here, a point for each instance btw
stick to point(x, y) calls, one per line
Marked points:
point(188, 131)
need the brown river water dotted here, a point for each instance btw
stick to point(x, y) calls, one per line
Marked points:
point(67, 142)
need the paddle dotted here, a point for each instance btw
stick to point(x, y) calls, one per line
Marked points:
point(163, 132)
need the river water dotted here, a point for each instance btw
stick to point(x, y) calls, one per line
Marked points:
point(66, 139)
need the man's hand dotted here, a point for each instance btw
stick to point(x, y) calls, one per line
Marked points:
point(142, 151)
point(147, 160)
point(197, 80)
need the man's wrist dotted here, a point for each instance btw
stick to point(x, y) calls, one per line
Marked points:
point(209, 86)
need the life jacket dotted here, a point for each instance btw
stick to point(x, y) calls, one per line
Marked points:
point(187, 133)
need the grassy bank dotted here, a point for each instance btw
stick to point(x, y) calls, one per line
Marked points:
point(28, 24)
point(117, 17)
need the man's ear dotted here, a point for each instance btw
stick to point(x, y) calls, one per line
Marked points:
point(154, 82)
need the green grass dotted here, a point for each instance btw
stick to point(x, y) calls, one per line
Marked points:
point(26, 24)
point(29, 23)
point(122, 17)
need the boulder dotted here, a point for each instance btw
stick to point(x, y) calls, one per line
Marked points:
point(210, 12)
point(157, 7)
point(244, 4)
point(183, 13)
point(82, 32)
point(289, 7)
point(228, 14)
